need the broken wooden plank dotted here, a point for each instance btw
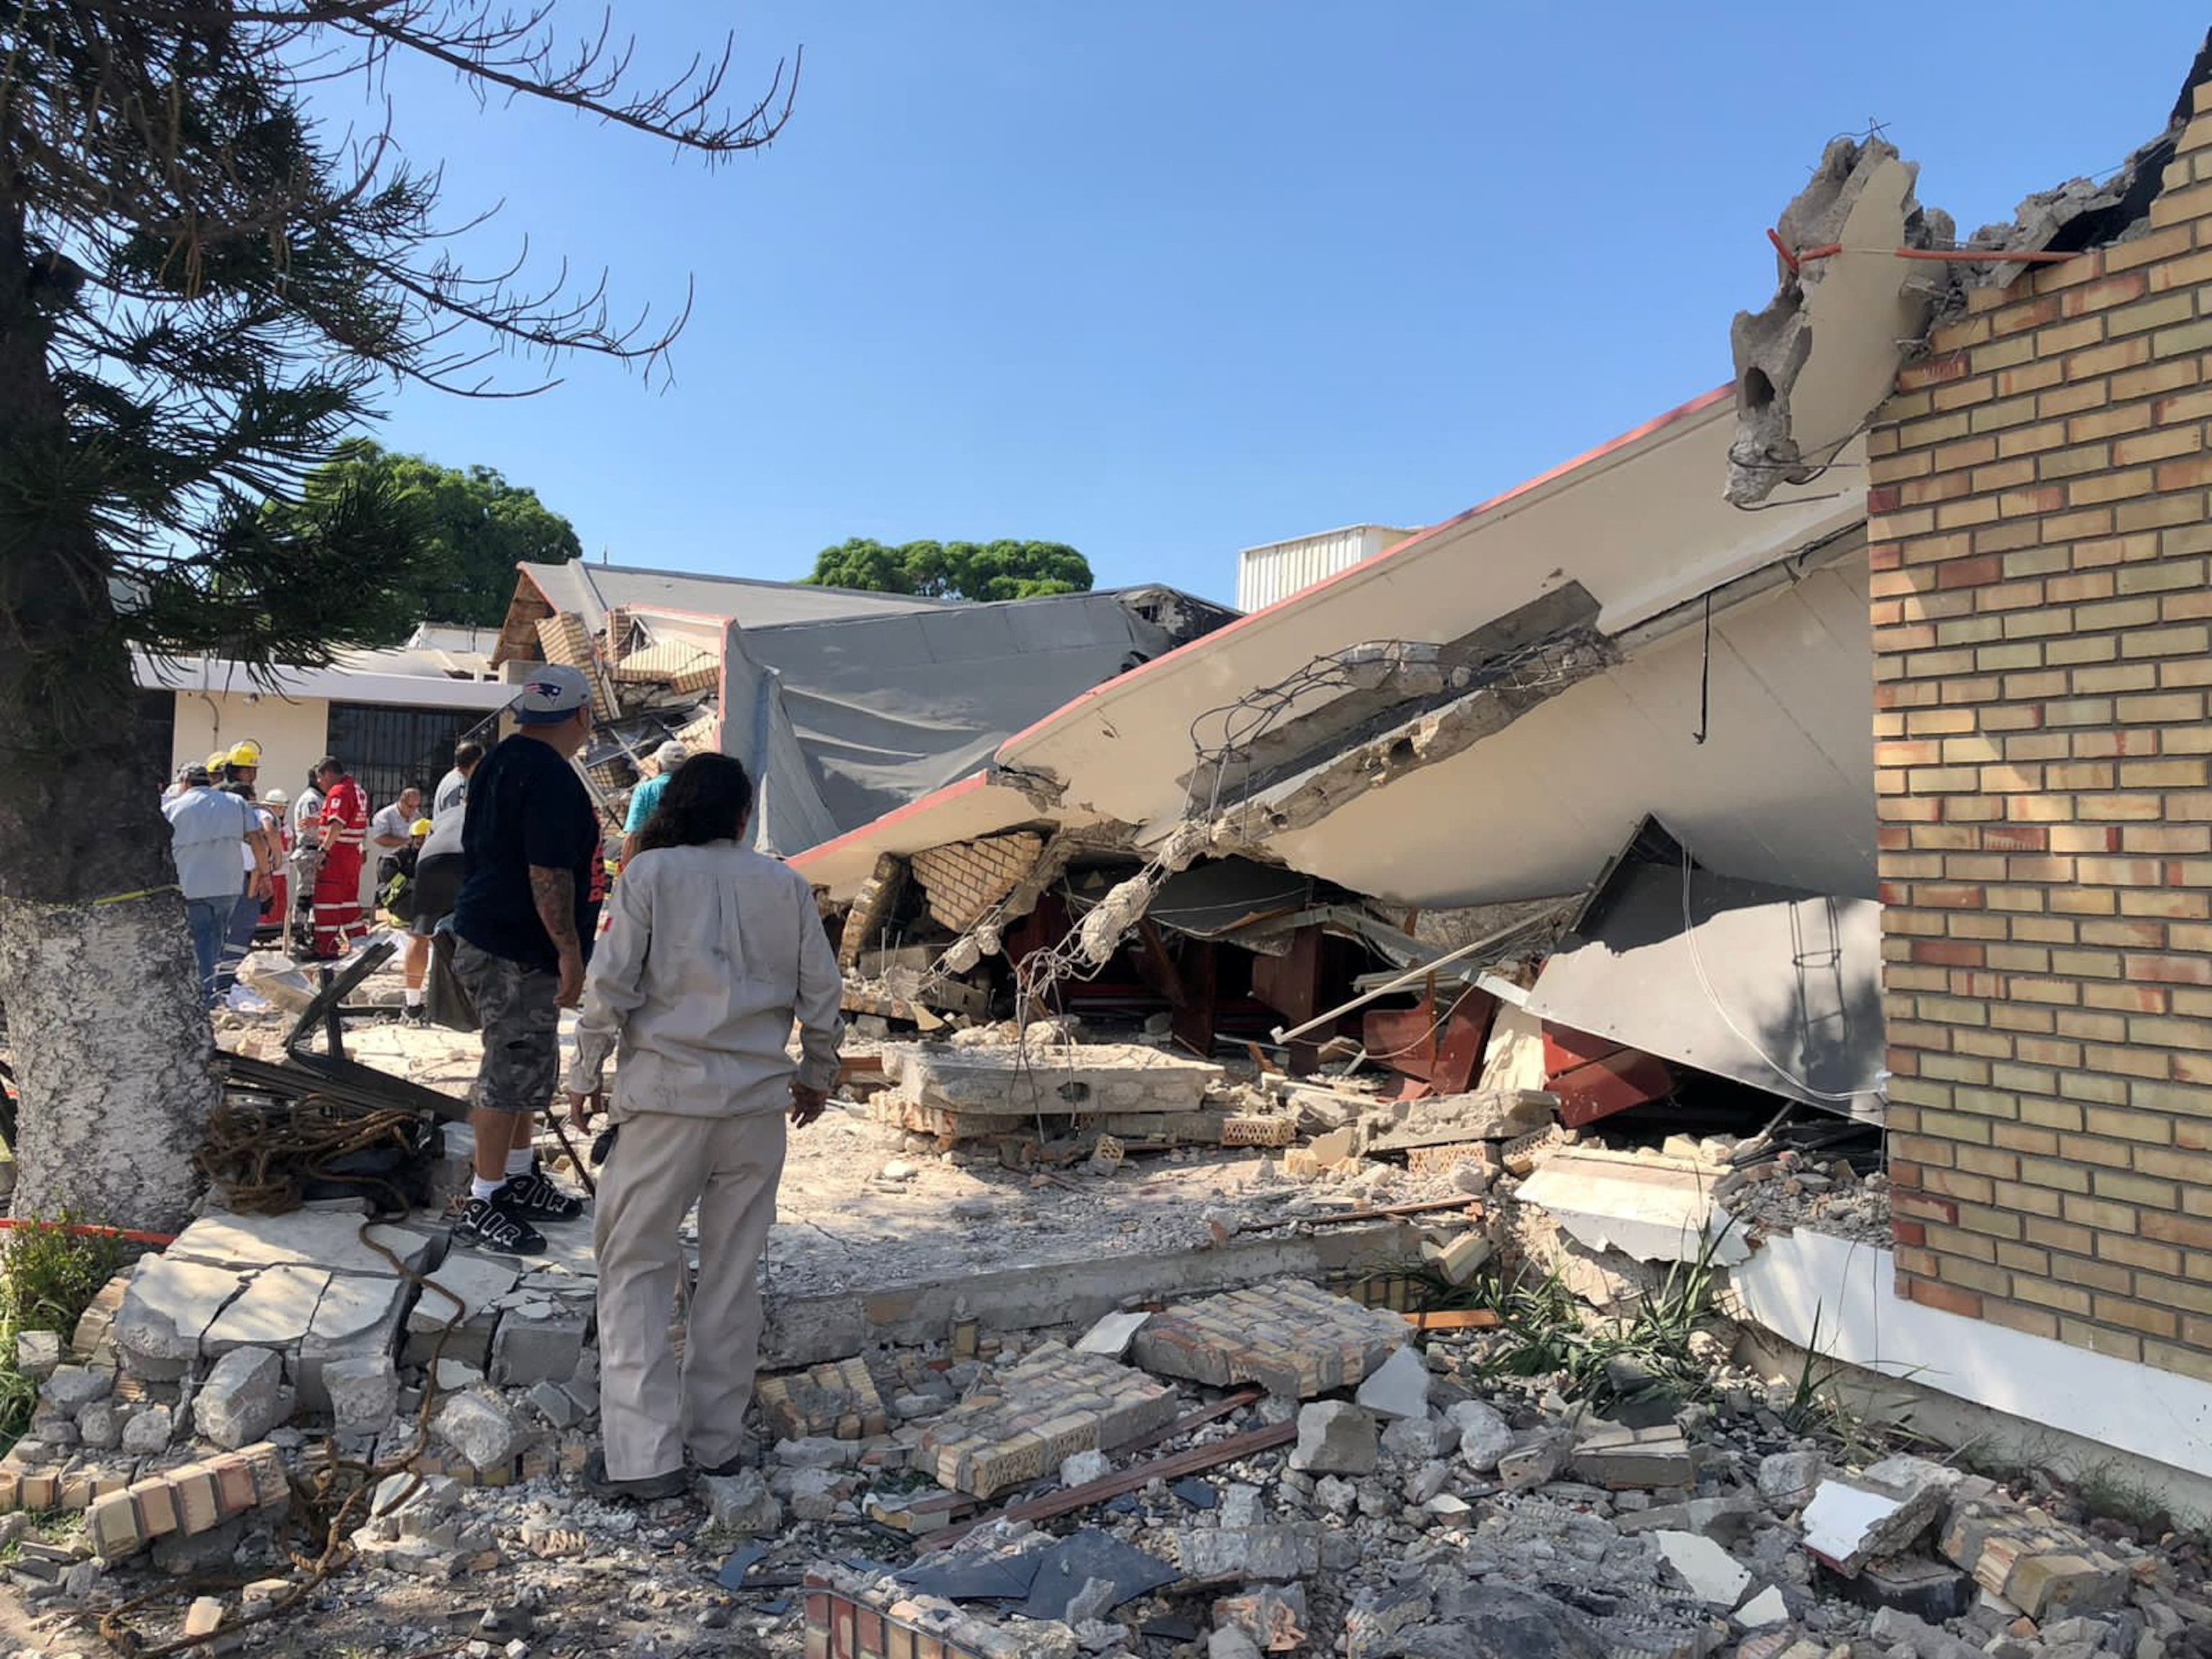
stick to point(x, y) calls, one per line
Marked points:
point(1452, 1319)
point(1172, 1467)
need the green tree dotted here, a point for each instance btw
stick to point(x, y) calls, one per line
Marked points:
point(469, 530)
point(954, 570)
point(200, 284)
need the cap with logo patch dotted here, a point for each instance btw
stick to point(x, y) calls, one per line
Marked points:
point(553, 692)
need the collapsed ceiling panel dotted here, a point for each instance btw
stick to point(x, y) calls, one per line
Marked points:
point(1773, 986)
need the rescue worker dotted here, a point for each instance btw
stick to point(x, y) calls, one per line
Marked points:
point(339, 924)
point(713, 950)
point(243, 764)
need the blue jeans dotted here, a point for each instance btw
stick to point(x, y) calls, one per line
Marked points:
point(210, 920)
point(237, 941)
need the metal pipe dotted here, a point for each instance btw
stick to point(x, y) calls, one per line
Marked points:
point(1411, 976)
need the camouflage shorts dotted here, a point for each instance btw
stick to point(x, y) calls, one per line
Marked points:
point(519, 1008)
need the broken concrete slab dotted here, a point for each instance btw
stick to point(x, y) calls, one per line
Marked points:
point(1536, 1457)
point(480, 1427)
point(1713, 1575)
point(1019, 1081)
point(274, 1311)
point(1112, 1335)
point(741, 1503)
point(1651, 1208)
point(364, 1393)
point(167, 1307)
point(1294, 1338)
point(359, 1317)
point(1275, 1554)
point(238, 1402)
point(37, 1353)
point(1334, 1438)
point(1459, 1257)
point(1825, 352)
point(1850, 1522)
point(1764, 1609)
point(547, 1349)
point(310, 1238)
point(1485, 1436)
point(1399, 1388)
point(1788, 1479)
point(1623, 1459)
point(1442, 1120)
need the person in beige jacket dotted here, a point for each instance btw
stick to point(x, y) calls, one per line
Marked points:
point(713, 951)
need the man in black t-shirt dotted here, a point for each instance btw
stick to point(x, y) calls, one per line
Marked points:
point(522, 925)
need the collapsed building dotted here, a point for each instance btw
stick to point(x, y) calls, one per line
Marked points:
point(1625, 1003)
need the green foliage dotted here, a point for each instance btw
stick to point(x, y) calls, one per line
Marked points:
point(202, 285)
point(462, 534)
point(955, 570)
point(48, 1278)
point(1546, 1332)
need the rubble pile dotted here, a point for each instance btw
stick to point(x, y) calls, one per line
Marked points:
point(1276, 1469)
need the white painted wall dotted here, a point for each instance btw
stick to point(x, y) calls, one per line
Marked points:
point(1837, 1299)
point(293, 733)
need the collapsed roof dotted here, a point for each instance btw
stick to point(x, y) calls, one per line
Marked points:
point(1635, 645)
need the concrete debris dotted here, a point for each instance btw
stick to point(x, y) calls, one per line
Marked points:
point(1712, 1574)
point(1851, 1521)
point(239, 1399)
point(1379, 1495)
point(1652, 1209)
point(1813, 365)
point(37, 1353)
point(1335, 1438)
point(1399, 1388)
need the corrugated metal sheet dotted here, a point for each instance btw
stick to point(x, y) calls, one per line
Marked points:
point(1266, 575)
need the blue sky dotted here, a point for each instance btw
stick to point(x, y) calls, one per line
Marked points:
point(1172, 278)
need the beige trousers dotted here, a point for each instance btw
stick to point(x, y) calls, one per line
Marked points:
point(661, 1164)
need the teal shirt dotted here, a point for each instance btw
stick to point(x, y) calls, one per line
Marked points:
point(642, 800)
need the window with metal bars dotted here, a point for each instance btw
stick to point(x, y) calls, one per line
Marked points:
point(386, 748)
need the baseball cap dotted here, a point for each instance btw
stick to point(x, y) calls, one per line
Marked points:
point(553, 692)
point(197, 774)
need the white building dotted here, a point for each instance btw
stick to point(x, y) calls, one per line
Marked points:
point(1266, 575)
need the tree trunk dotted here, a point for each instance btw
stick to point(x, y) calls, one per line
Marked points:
point(112, 1047)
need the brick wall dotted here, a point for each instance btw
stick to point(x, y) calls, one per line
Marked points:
point(2040, 536)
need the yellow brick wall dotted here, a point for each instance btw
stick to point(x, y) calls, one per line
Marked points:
point(2043, 638)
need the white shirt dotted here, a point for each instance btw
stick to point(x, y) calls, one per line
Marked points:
point(390, 822)
point(712, 953)
point(450, 794)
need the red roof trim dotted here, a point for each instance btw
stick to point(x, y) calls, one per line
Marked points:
point(919, 804)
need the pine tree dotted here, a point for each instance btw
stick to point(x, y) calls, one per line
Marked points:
point(198, 287)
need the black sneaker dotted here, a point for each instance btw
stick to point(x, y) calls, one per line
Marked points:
point(532, 1197)
point(651, 1490)
point(485, 1225)
point(414, 1014)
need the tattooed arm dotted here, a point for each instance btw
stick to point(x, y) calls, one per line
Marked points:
point(554, 892)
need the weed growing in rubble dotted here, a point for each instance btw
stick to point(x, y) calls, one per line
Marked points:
point(48, 1277)
point(1545, 1330)
point(2106, 1489)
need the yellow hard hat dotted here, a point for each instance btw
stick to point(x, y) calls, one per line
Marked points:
point(247, 753)
point(420, 827)
point(218, 760)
